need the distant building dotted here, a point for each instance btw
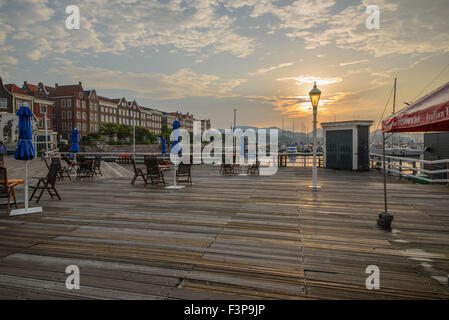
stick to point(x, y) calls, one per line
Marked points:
point(186, 120)
point(71, 109)
point(12, 98)
point(168, 119)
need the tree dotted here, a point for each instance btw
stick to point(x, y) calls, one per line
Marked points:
point(108, 130)
point(165, 132)
point(124, 132)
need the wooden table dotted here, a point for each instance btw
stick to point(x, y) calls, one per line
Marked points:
point(15, 181)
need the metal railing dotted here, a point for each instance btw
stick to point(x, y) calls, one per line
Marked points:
point(293, 159)
point(414, 169)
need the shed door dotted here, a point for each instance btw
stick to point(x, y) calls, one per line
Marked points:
point(339, 149)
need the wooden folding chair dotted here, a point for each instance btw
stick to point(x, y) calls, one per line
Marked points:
point(96, 166)
point(137, 173)
point(47, 183)
point(61, 169)
point(184, 173)
point(7, 190)
point(154, 173)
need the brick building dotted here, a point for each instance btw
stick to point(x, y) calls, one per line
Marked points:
point(71, 110)
point(12, 98)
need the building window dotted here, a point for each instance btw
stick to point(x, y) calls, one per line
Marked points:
point(3, 103)
point(78, 115)
point(62, 102)
point(96, 117)
point(102, 118)
point(43, 109)
point(90, 117)
point(69, 126)
point(64, 126)
point(77, 103)
point(84, 104)
point(78, 126)
point(69, 103)
point(84, 116)
point(69, 114)
point(63, 115)
point(81, 94)
point(84, 127)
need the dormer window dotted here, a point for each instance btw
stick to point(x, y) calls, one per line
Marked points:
point(81, 95)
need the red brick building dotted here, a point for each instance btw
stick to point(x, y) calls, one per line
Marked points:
point(13, 97)
point(71, 109)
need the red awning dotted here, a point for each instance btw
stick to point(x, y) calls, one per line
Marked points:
point(430, 113)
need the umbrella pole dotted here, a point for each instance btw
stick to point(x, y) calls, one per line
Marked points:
point(27, 209)
point(26, 185)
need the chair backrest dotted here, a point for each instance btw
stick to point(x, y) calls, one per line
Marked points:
point(3, 181)
point(184, 168)
point(97, 162)
point(151, 162)
point(56, 161)
point(52, 173)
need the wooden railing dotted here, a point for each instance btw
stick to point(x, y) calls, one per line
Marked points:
point(414, 169)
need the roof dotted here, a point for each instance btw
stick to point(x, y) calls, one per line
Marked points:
point(116, 101)
point(12, 88)
point(31, 87)
point(68, 90)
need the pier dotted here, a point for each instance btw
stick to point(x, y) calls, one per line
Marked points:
point(230, 237)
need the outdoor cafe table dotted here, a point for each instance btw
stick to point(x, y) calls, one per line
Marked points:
point(15, 182)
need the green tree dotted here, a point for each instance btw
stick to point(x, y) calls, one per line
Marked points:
point(165, 132)
point(142, 135)
point(124, 132)
point(108, 130)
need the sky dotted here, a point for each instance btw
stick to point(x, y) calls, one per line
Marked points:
point(208, 57)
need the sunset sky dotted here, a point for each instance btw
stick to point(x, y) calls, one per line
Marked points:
point(209, 57)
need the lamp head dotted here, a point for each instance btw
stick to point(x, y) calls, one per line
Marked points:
point(315, 95)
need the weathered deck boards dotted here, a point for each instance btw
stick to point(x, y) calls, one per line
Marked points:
point(230, 238)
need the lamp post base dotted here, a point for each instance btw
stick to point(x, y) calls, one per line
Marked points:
point(384, 221)
point(18, 212)
point(173, 187)
point(315, 187)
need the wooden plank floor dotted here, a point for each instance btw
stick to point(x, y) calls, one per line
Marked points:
point(230, 238)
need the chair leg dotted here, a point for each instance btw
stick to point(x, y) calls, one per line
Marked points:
point(14, 197)
point(40, 195)
point(134, 179)
point(32, 194)
point(56, 192)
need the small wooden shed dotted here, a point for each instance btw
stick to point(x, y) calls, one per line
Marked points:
point(346, 145)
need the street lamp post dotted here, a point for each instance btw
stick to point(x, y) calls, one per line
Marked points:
point(315, 95)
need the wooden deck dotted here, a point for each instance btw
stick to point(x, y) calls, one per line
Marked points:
point(231, 238)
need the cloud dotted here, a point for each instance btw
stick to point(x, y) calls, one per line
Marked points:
point(320, 81)
point(181, 84)
point(350, 63)
point(265, 70)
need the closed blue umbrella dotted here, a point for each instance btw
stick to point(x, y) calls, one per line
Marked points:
point(25, 148)
point(74, 147)
point(25, 151)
